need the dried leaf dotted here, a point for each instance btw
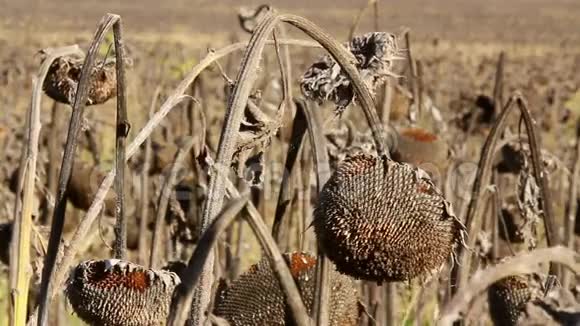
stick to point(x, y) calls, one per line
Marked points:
point(529, 206)
point(254, 137)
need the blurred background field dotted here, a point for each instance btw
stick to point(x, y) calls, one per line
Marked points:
point(458, 42)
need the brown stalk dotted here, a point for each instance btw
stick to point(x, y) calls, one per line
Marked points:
point(166, 190)
point(419, 82)
point(387, 101)
point(376, 14)
point(13, 268)
point(521, 264)
point(360, 14)
point(285, 192)
point(391, 303)
point(320, 155)
point(496, 215)
point(298, 129)
point(144, 200)
point(376, 298)
point(122, 130)
point(306, 164)
point(498, 85)
point(496, 200)
point(68, 159)
point(570, 221)
point(390, 288)
point(23, 236)
point(285, 63)
point(415, 111)
point(92, 145)
point(462, 269)
point(54, 149)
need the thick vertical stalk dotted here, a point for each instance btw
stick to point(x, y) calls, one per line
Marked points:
point(318, 146)
point(498, 85)
point(23, 241)
point(54, 149)
point(144, 200)
point(285, 192)
point(572, 206)
point(415, 112)
point(121, 133)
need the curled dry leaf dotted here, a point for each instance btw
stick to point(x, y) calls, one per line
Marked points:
point(254, 137)
point(374, 52)
point(529, 206)
point(64, 75)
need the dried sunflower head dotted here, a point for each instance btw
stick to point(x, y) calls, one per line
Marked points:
point(508, 297)
point(83, 186)
point(256, 297)
point(384, 222)
point(113, 292)
point(421, 148)
point(64, 76)
point(325, 80)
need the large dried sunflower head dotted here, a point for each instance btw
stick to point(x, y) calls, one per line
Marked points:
point(385, 223)
point(325, 80)
point(113, 292)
